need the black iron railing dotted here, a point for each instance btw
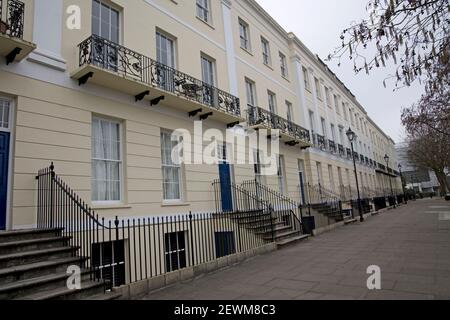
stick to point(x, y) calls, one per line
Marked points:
point(361, 158)
point(321, 142)
point(12, 15)
point(349, 153)
point(341, 150)
point(285, 209)
point(113, 57)
point(124, 251)
point(259, 116)
point(332, 146)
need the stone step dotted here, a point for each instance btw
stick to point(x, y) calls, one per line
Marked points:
point(283, 235)
point(88, 289)
point(292, 240)
point(257, 228)
point(33, 244)
point(22, 258)
point(28, 234)
point(29, 271)
point(276, 230)
point(350, 221)
point(40, 284)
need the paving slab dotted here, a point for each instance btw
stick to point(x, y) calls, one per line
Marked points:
point(409, 244)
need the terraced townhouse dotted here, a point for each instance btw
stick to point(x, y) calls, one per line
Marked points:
point(100, 103)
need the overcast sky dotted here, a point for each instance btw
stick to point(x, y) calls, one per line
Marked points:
point(318, 24)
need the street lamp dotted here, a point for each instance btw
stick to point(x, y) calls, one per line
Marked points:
point(352, 138)
point(386, 158)
point(403, 185)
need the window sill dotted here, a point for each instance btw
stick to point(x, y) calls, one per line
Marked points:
point(175, 204)
point(206, 22)
point(268, 66)
point(248, 51)
point(286, 78)
point(110, 206)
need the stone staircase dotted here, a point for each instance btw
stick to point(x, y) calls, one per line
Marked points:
point(33, 266)
point(328, 211)
point(270, 227)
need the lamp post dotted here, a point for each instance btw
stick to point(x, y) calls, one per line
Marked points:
point(386, 158)
point(403, 185)
point(352, 138)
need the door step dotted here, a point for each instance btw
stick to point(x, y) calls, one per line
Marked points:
point(288, 241)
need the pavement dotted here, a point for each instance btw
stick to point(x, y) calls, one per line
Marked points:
point(410, 245)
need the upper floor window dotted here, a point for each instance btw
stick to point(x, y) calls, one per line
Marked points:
point(203, 10)
point(244, 35)
point(289, 112)
point(284, 66)
point(208, 74)
point(324, 127)
point(306, 79)
point(311, 120)
point(265, 51)
point(105, 21)
point(336, 104)
point(272, 102)
point(318, 89)
point(250, 90)
point(345, 111)
point(333, 132)
point(106, 160)
point(328, 96)
point(165, 50)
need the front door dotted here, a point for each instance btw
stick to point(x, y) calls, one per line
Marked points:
point(225, 180)
point(4, 158)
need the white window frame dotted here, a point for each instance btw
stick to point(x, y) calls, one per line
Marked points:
point(121, 164)
point(244, 35)
point(306, 79)
point(180, 175)
point(283, 65)
point(318, 89)
point(250, 88)
point(272, 101)
point(111, 8)
point(281, 174)
point(204, 6)
point(212, 64)
point(265, 45)
point(289, 112)
point(173, 48)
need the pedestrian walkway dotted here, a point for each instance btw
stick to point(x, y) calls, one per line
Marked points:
point(410, 244)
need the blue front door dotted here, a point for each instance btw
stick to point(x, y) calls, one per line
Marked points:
point(225, 187)
point(4, 157)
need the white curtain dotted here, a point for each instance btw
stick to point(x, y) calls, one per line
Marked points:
point(106, 160)
point(170, 169)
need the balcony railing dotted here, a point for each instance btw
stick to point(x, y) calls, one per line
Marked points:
point(115, 58)
point(321, 142)
point(332, 146)
point(12, 13)
point(349, 153)
point(361, 158)
point(341, 150)
point(258, 116)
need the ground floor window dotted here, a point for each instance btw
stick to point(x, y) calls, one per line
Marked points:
point(175, 251)
point(108, 260)
point(225, 244)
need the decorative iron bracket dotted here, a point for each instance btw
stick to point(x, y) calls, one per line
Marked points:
point(194, 113)
point(292, 143)
point(232, 125)
point(12, 55)
point(141, 95)
point(205, 116)
point(84, 79)
point(156, 101)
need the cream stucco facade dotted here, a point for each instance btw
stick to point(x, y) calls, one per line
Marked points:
point(52, 111)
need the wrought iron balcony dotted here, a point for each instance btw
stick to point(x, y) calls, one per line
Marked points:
point(12, 13)
point(292, 133)
point(349, 153)
point(367, 161)
point(356, 156)
point(361, 158)
point(110, 64)
point(341, 150)
point(321, 142)
point(12, 45)
point(332, 146)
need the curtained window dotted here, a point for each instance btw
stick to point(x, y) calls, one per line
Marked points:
point(106, 160)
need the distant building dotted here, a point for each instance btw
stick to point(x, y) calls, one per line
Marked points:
point(419, 179)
